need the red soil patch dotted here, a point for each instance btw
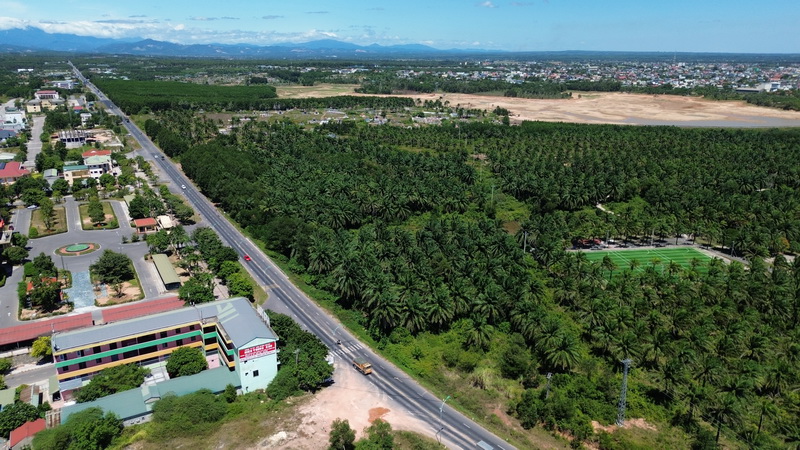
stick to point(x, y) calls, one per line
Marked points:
point(377, 413)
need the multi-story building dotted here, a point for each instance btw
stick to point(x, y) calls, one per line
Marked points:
point(46, 95)
point(98, 165)
point(230, 332)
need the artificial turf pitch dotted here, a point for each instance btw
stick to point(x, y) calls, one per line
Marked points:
point(622, 258)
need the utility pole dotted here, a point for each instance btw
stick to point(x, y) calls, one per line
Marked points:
point(623, 393)
point(524, 242)
point(547, 388)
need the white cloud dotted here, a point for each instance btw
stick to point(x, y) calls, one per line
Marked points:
point(8, 23)
point(488, 4)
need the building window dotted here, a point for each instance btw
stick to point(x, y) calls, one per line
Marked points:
point(114, 357)
point(163, 334)
point(98, 361)
point(79, 353)
point(179, 342)
point(96, 350)
point(113, 346)
point(255, 373)
point(81, 365)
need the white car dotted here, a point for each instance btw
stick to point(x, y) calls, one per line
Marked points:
point(183, 186)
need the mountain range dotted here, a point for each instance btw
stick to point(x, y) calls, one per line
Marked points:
point(33, 39)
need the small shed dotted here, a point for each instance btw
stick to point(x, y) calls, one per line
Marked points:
point(146, 225)
point(166, 271)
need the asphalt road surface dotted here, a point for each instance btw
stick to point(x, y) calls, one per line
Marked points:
point(454, 429)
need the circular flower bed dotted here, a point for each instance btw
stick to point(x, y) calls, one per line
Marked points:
point(77, 249)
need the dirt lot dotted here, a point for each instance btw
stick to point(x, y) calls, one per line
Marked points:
point(351, 397)
point(600, 107)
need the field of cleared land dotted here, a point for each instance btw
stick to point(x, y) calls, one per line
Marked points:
point(598, 107)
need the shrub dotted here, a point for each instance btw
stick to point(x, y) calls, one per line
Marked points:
point(30, 270)
point(283, 386)
point(186, 415)
point(33, 232)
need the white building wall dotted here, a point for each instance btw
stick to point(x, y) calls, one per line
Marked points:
point(259, 371)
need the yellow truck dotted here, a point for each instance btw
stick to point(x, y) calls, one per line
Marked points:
point(362, 366)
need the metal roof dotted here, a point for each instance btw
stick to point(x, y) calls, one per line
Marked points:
point(138, 309)
point(239, 320)
point(165, 269)
point(7, 397)
point(33, 329)
point(138, 402)
point(126, 405)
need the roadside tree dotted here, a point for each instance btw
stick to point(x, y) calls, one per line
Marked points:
point(158, 242)
point(138, 208)
point(195, 291)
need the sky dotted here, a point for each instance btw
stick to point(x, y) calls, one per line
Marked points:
point(736, 26)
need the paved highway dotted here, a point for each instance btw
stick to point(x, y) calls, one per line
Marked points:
point(454, 429)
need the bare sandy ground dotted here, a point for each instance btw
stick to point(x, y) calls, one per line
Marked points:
point(351, 397)
point(622, 108)
point(601, 107)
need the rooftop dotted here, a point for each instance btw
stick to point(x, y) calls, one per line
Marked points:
point(137, 402)
point(28, 429)
point(96, 153)
point(12, 169)
point(165, 269)
point(75, 167)
point(97, 160)
point(33, 329)
point(146, 222)
point(240, 321)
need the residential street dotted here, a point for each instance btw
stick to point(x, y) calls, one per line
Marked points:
point(34, 145)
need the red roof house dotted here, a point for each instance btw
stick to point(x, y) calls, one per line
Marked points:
point(96, 153)
point(11, 171)
point(23, 435)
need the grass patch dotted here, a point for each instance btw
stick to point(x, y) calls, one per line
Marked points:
point(110, 220)
point(414, 441)
point(59, 223)
point(660, 258)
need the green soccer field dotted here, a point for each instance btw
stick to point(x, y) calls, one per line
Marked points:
point(623, 258)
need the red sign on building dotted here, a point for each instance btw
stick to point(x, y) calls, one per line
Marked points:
point(257, 352)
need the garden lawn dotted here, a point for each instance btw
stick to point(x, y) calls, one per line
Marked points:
point(59, 223)
point(110, 221)
point(623, 258)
